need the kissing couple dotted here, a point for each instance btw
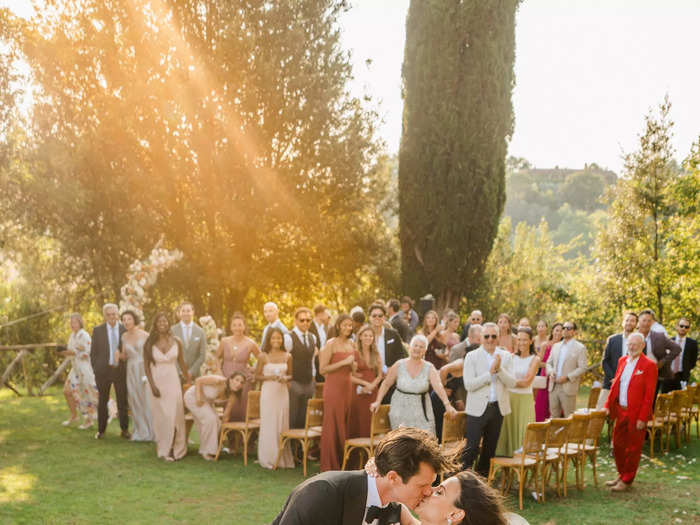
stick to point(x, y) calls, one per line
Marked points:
point(400, 477)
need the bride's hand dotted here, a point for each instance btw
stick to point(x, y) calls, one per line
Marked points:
point(374, 406)
point(371, 468)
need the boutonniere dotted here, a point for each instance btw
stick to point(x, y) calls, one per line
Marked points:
point(639, 372)
point(390, 341)
point(195, 338)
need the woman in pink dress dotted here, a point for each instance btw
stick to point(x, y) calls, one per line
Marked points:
point(542, 394)
point(162, 353)
point(233, 355)
point(365, 383)
point(337, 362)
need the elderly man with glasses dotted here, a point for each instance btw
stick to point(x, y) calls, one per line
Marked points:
point(565, 367)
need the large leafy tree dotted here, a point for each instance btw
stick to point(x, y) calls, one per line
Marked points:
point(458, 116)
point(224, 126)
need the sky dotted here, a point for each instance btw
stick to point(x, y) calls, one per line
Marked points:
point(587, 71)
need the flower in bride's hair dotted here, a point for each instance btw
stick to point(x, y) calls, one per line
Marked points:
point(371, 468)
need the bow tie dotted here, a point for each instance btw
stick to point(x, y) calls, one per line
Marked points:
point(389, 514)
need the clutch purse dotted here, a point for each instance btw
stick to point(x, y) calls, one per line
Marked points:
point(540, 382)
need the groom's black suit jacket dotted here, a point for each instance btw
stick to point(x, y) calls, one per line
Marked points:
point(99, 352)
point(329, 498)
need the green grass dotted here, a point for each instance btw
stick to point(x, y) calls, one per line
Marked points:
point(52, 474)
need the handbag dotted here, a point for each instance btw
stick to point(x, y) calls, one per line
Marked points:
point(539, 383)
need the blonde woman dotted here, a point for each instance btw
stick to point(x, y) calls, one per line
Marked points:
point(365, 382)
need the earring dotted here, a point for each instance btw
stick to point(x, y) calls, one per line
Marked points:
point(449, 521)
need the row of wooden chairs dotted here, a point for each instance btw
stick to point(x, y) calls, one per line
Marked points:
point(674, 413)
point(549, 447)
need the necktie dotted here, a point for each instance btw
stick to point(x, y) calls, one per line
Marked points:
point(676, 365)
point(306, 341)
point(188, 329)
point(386, 515)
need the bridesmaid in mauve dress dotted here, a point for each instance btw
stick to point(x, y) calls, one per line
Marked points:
point(162, 354)
point(365, 382)
point(139, 402)
point(336, 362)
point(541, 394)
point(199, 400)
point(233, 355)
point(275, 372)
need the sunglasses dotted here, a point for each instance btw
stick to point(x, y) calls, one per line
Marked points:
point(490, 336)
point(304, 320)
point(683, 326)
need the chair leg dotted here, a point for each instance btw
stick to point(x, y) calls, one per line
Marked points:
point(346, 452)
point(245, 437)
point(521, 480)
point(652, 435)
point(492, 473)
point(594, 461)
point(305, 447)
point(222, 435)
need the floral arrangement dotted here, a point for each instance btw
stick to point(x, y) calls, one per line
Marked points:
point(142, 275)
point(212, 333)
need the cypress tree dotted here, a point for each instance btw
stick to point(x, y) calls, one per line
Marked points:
point(458, 116)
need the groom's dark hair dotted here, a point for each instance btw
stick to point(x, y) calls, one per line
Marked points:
point(404, 449)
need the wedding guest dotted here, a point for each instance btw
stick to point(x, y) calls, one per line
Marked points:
point(80, 390)
point(476, 317)
point(302, 346)
point(275, 372)
point(109, 369)
point(366, 382)
point(630, 406)
point(615, 348)
point(410, 403)
point(161, 354)
point(397, 322)
point(132, 351)
point(232, 394)
point(541, 337)
point(487, 374)
point(194, 341)
point(233, 355)
point(387, 340)
point(522, 408)
point(199, 400)
point(523, 323)
point(449, 334)
point(659, 348)
point(410, 315)
point(319, 327)
point(472, 342)
point(358, 320)
point(506, 339)
point(437, 352)
point(337, 363)
point(682, 365)
point(542, 394)
point(272, 315)
point(566, 364)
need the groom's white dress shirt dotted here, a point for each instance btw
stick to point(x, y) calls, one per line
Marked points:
point(372, 498)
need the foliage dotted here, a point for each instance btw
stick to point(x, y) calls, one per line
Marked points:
point(458, 116)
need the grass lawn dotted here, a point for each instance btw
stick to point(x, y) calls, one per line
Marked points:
point(52, 474)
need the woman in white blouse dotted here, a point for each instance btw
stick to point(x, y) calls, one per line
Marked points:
point(80, 390)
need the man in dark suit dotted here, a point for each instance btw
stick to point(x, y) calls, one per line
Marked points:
point(407, 462)
point(319, 327)
point(476, 317)
point(659, 348)
point(685, 362)
point(396, 321)
point(388, 342)
point(109, 369)
point(615, 348)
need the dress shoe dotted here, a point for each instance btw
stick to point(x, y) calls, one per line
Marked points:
point(125, 434)
point(612, 482)
point(620, 487)
point(100, 435)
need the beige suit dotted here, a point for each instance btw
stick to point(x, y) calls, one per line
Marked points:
point(562, 397)
point(477, 381)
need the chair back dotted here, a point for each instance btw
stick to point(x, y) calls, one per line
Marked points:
point(314, 413)
point(558, 432)
point(689, 398)
point(577, 430)
point(534, 440)
point(318, 391)
point(677, 401)
point(663, 403)
point(379, 423)
point(593, 396)
point(595, 426)
point(252, 409)
point(453, 428)
point(697, 395)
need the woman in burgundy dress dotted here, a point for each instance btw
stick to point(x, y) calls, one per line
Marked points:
point(437, 350)
point(365, 382)
point(337, 362)
point(542, 394)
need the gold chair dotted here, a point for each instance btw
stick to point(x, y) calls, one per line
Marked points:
point(318, 391)
point(695, 410)
point(675, 417)
point(574, 448)
point(593, 396)
point(557, 441)
point(591, 443)
point(379, 425)
point(687, 411)
point(307, 435)
point(245, 428)
point(453, 433)
point(658, 423)
point(529, 460)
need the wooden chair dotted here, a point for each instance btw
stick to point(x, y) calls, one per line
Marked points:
point(245, 428)
point(695, 410)
point(557, 441)
point(658, 423)
point(529, 460)
point(591, 443)
point(687, 411)
point(318, 391)
point(379, 425)
point(574, 450)
point(453, 433)
point(593, 396)
point(675, 417)
point(307, 435)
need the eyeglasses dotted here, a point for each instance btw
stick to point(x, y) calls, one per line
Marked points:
point(490, 336)
point(683, 326)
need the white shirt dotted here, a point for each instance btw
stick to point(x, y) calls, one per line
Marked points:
point(310, 340)
point(372, 498)
point(625, 380)
point(493, 395)
point(321, 334)
point(113, 341)
point(563, 350)
point(186, 332)
point(624, 345)
point(678, 361)
point(381, 347)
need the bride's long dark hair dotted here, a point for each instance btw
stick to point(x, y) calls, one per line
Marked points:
point(482, 504)
point(152, 338)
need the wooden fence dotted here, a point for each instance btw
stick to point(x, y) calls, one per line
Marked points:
point(22, 352)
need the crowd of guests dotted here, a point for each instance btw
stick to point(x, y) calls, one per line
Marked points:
point(502, 376)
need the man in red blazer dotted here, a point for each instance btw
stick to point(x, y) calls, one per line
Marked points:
point(630, 406)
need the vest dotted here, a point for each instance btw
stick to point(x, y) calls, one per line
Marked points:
point(301, 358)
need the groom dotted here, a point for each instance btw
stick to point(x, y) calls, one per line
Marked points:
point(407, 461)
